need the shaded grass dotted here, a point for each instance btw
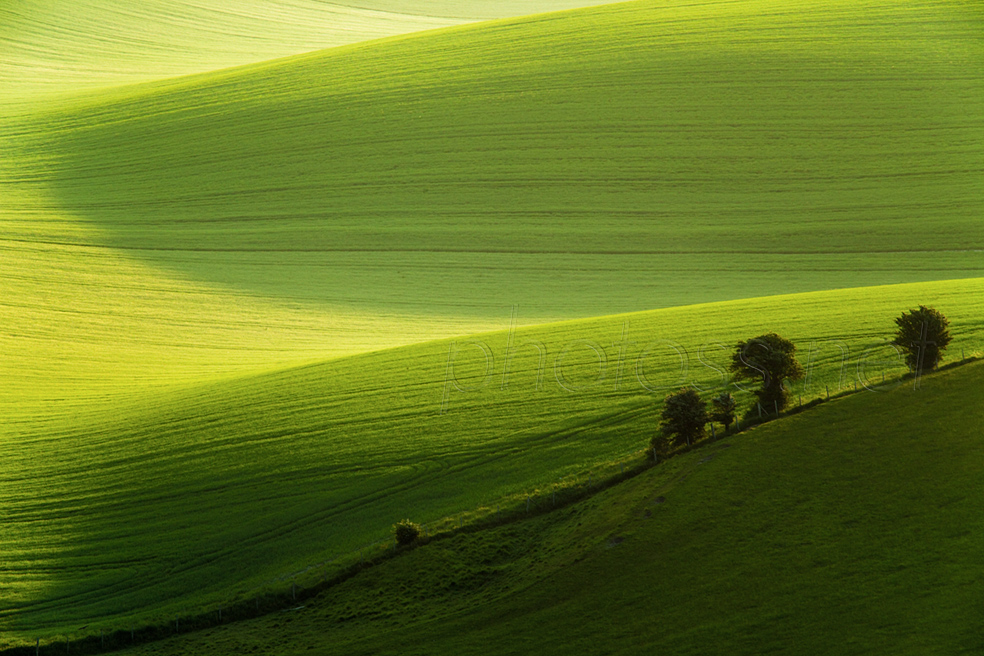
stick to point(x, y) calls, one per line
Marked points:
point(166, 507)
point(851, 528)
point(580, 164)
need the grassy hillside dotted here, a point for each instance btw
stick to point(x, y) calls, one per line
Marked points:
point(181, 259)
point(852, 529)
point(178, 502)
point(65, 46)
point(579, 164)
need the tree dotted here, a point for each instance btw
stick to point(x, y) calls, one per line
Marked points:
point(659, 446)
point(771, 359)
point(406, 532)
point(923, 336)
point(684, 416)
point(724, 409)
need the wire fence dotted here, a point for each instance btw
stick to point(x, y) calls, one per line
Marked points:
point(287, 592)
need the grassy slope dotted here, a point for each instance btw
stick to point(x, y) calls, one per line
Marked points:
point(851, 529)
point(182, 501)
point(600, 161)
point(58, 47)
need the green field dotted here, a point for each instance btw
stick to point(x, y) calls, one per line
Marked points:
point(250, 316)
point(58, 48)
point(186, 502)
point(853, 528)
point(594, 162)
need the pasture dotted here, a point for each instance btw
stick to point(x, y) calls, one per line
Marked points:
point(181, 502)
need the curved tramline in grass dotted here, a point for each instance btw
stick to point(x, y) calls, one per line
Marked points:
point(575, 164)
point(868, 502)
point(183, 502)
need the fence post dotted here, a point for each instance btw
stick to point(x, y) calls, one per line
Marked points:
point(712, 432)
point(760, 408)
point(37, 647)
point(828, 391)
point(777, 407)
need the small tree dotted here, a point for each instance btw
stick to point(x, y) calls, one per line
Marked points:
point(684, 416)
point(406, 532)
point(725, 406)
point(923, 336)
point(659, 446)
point(771, 359)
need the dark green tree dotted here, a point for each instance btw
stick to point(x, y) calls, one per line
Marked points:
point(684, 416)
point(725, 406)
point(659, 446)
point(406, 532)
point(923, 336)
point(770, 359)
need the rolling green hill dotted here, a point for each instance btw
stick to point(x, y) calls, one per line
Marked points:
point(853, 528)
point(250, 316)
point(175, 503)
point(576, 164)
point(64, 46)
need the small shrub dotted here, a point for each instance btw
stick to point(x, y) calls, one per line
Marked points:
point(724, 409)
point(659, 447)
point(406, 532)
point(684, 416)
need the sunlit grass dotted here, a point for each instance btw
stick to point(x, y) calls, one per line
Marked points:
point(185, 500)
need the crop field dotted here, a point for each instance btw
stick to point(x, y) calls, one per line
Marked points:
point(274, 275)
point(54, 48)
point(851, 529)
point(600, 161)
point(185, 503)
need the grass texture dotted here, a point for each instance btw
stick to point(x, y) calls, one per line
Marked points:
point(185, 262)
point(852, 528)
point(57, 48)
point(575, 164)
point(179, 503)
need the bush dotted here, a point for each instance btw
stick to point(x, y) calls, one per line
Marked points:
point(406, 532)
point(684, 416)
point(724, 409)
point(923, 336)
point(770, 359)
point(659, 447)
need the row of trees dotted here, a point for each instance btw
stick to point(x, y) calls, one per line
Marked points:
point(922, 335)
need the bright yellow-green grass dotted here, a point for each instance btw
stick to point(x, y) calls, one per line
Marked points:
point(179, 502)
point(181, 259)
point(67, 45)
point(577, 164)
point(852, 529)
